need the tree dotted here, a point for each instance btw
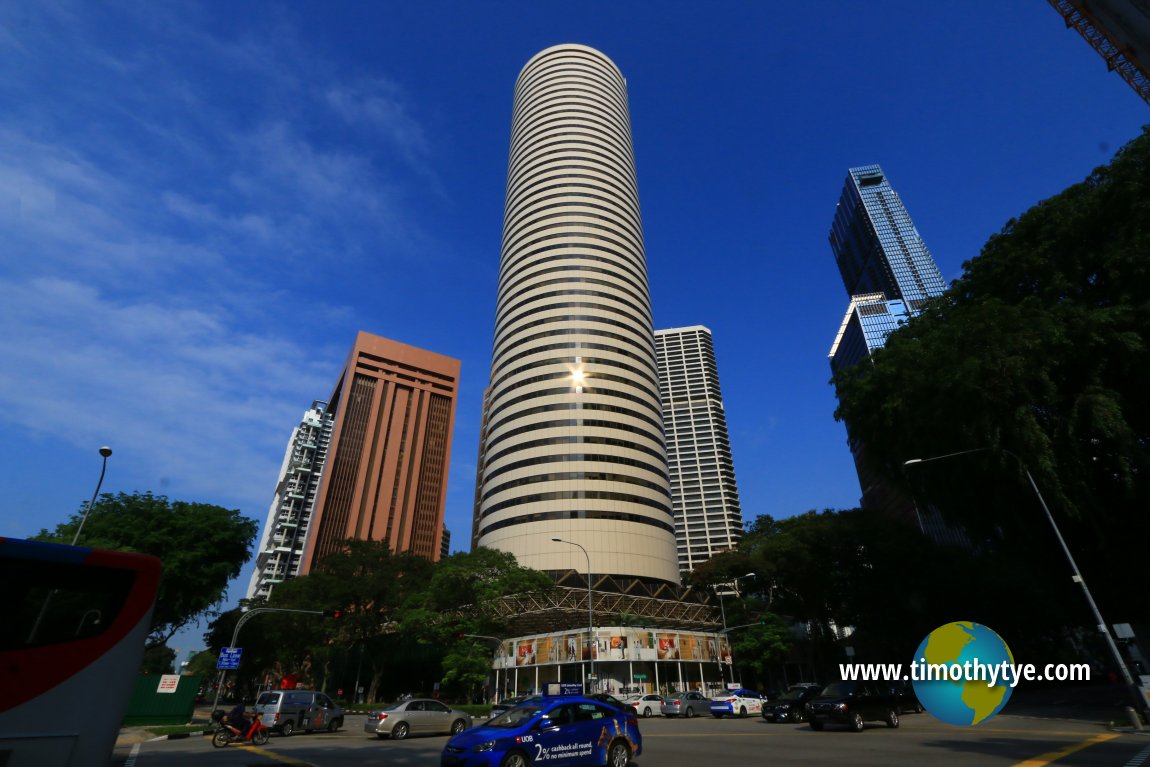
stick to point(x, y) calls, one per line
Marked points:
point(884, 580)
point(1039, 353)
point(467, 665)
point(159, 659)
point(203, 664)
point(761, 647)
point(201, 546)
point(374, 589)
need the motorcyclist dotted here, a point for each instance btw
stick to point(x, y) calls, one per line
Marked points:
point(237, 720)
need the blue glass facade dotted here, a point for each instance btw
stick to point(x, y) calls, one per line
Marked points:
point(889, 274)
point(876, 246)
point(869, 320)
point(886, 267)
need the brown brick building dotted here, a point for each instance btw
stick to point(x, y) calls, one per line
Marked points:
point(386, 473)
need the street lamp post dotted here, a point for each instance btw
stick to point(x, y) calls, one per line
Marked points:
point(590, 608)
point(247, 616)
point(105, 451)
point(723, 613)
point(502, 654)
point(1076, 575)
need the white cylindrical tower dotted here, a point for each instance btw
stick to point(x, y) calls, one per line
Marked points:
point(573, 444)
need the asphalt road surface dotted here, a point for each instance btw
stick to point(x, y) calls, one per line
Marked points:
point(1005, 741)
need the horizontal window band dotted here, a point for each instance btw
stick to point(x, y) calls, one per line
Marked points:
point(557, 516)
point(498, 358)
point(598, 391)
point(577, 458)
point(584, 439)
point(590, 476)
point(607, 363)
point(512, 325)
point(633, 353)
point(558, 407)
point(580, 495)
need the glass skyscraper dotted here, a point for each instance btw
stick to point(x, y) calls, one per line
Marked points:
point(885, 265)
point(889, 275)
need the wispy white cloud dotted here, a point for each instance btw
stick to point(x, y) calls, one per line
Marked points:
point(168, 203)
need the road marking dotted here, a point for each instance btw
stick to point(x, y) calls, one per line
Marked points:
point(1142, 756)
point(131, 761)
point(1044, 759)
point(1036, 734)
point(277, 757)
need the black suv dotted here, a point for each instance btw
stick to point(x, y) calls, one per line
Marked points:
point(791, 705)
point(852, 704)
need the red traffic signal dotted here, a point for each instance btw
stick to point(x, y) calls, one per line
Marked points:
point(332, 613)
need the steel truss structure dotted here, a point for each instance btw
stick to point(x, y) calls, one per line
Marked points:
point(1120, 56)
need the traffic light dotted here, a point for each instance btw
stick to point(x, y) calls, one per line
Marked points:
point(332, 613)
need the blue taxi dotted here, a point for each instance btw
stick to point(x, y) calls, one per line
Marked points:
point(567, 730)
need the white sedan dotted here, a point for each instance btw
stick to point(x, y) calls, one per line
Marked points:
point(646, 705)
point(737, 703)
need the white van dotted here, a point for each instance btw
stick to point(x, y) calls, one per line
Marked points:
point(289, 710)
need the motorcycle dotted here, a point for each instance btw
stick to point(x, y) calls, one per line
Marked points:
point(256, 733)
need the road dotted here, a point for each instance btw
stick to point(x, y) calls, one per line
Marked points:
point(1005, 741)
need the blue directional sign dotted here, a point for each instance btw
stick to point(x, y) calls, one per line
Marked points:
point(229, 657)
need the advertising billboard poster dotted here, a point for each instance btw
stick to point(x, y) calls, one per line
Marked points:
point(547, 647)
point(690, 647)
point(571, 643)
point(617, 647)
point(668, 646)
point(725, 651)
point(525, 653)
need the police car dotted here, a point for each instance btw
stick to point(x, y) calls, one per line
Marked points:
point(575, 731)
point(738, 702)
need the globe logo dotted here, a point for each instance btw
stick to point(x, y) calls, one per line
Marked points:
point(960, 693)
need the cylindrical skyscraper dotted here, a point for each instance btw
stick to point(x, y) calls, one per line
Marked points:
point(572, 444)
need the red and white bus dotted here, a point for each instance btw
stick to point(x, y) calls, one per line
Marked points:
point(74, 622)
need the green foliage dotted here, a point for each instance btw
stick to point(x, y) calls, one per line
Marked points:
point(1038, 351)
point(203, 664)
point(159, 659)
point(861, 569)
point(466, 665)
point(399, 616)
point(202, 547)
point(760, 647)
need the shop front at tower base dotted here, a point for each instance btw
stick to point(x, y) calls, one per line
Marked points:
point(621, 661)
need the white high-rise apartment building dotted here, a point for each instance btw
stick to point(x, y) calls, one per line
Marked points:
point(572, 444)
point(281, 548)
point(708, 518)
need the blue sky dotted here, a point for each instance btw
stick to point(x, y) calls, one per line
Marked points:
point(201, 203)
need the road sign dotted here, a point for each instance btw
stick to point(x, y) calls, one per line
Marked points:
point(640, 676)
point(229, 657)
point(168, 683)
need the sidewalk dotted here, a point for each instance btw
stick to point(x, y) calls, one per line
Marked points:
point(139, 733)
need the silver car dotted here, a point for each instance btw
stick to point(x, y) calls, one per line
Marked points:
point(418, 716)
point(686, 704)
